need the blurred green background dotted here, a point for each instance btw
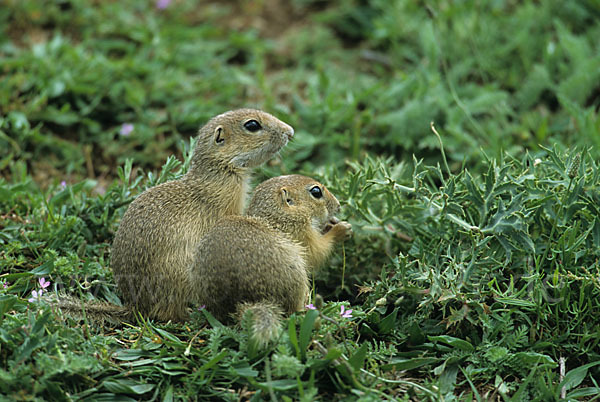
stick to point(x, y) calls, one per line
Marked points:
point(353, 77)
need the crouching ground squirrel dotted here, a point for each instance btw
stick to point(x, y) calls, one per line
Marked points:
point(261, 261)
point(155, 244)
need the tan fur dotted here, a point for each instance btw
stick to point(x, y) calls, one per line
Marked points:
point(265, 257)
point(264, 321)
point(309, 221)
point(244, 260)
point(160, 231)
point(98, 312)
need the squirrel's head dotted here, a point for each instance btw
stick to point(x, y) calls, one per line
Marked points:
point(292, 202)
point(240, 139)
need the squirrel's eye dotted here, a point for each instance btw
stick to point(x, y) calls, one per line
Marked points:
point(252, 126)
point(316, 192)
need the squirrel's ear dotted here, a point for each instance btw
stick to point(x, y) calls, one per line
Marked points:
point(285, 197)
point(219, 137)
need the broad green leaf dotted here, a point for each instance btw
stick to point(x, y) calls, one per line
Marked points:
point(581, 392)
point(358, 358)
point(409, 364)
point(27, 348)
point(306, 330)
point(515, 302)
point(332, 354)
point(576, 376)
point(454, 342)
point(532, 358)
point(211, 319)
point(293, 336)
point(44, 269)
point(244, 371)
point(213, 362)
point(130, 354)
point(388, 323)
point(109, 397)
point(168, 395)
point(278, 385)
point(6, 304)
point(125, 386)
point(167, 335)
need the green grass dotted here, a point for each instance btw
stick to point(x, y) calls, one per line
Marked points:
point(473, 270)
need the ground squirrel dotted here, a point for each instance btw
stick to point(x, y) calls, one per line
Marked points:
point(263, 258)
point(160, 231)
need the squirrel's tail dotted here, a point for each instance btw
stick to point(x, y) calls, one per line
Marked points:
point(262, 319)
point(97, 311)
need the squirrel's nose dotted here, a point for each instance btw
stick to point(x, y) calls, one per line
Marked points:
point(290, 132)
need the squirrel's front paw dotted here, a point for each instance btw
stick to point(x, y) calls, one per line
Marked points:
point(342, 231)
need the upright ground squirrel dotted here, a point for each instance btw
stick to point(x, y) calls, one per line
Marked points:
point(261, 261)
point(158, 235)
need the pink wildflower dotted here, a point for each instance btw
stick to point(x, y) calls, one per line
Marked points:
point(162, 4)
point(43, 283)
point(310, 307)
point(345, 313)
point(35, 296)
point(126, 129)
